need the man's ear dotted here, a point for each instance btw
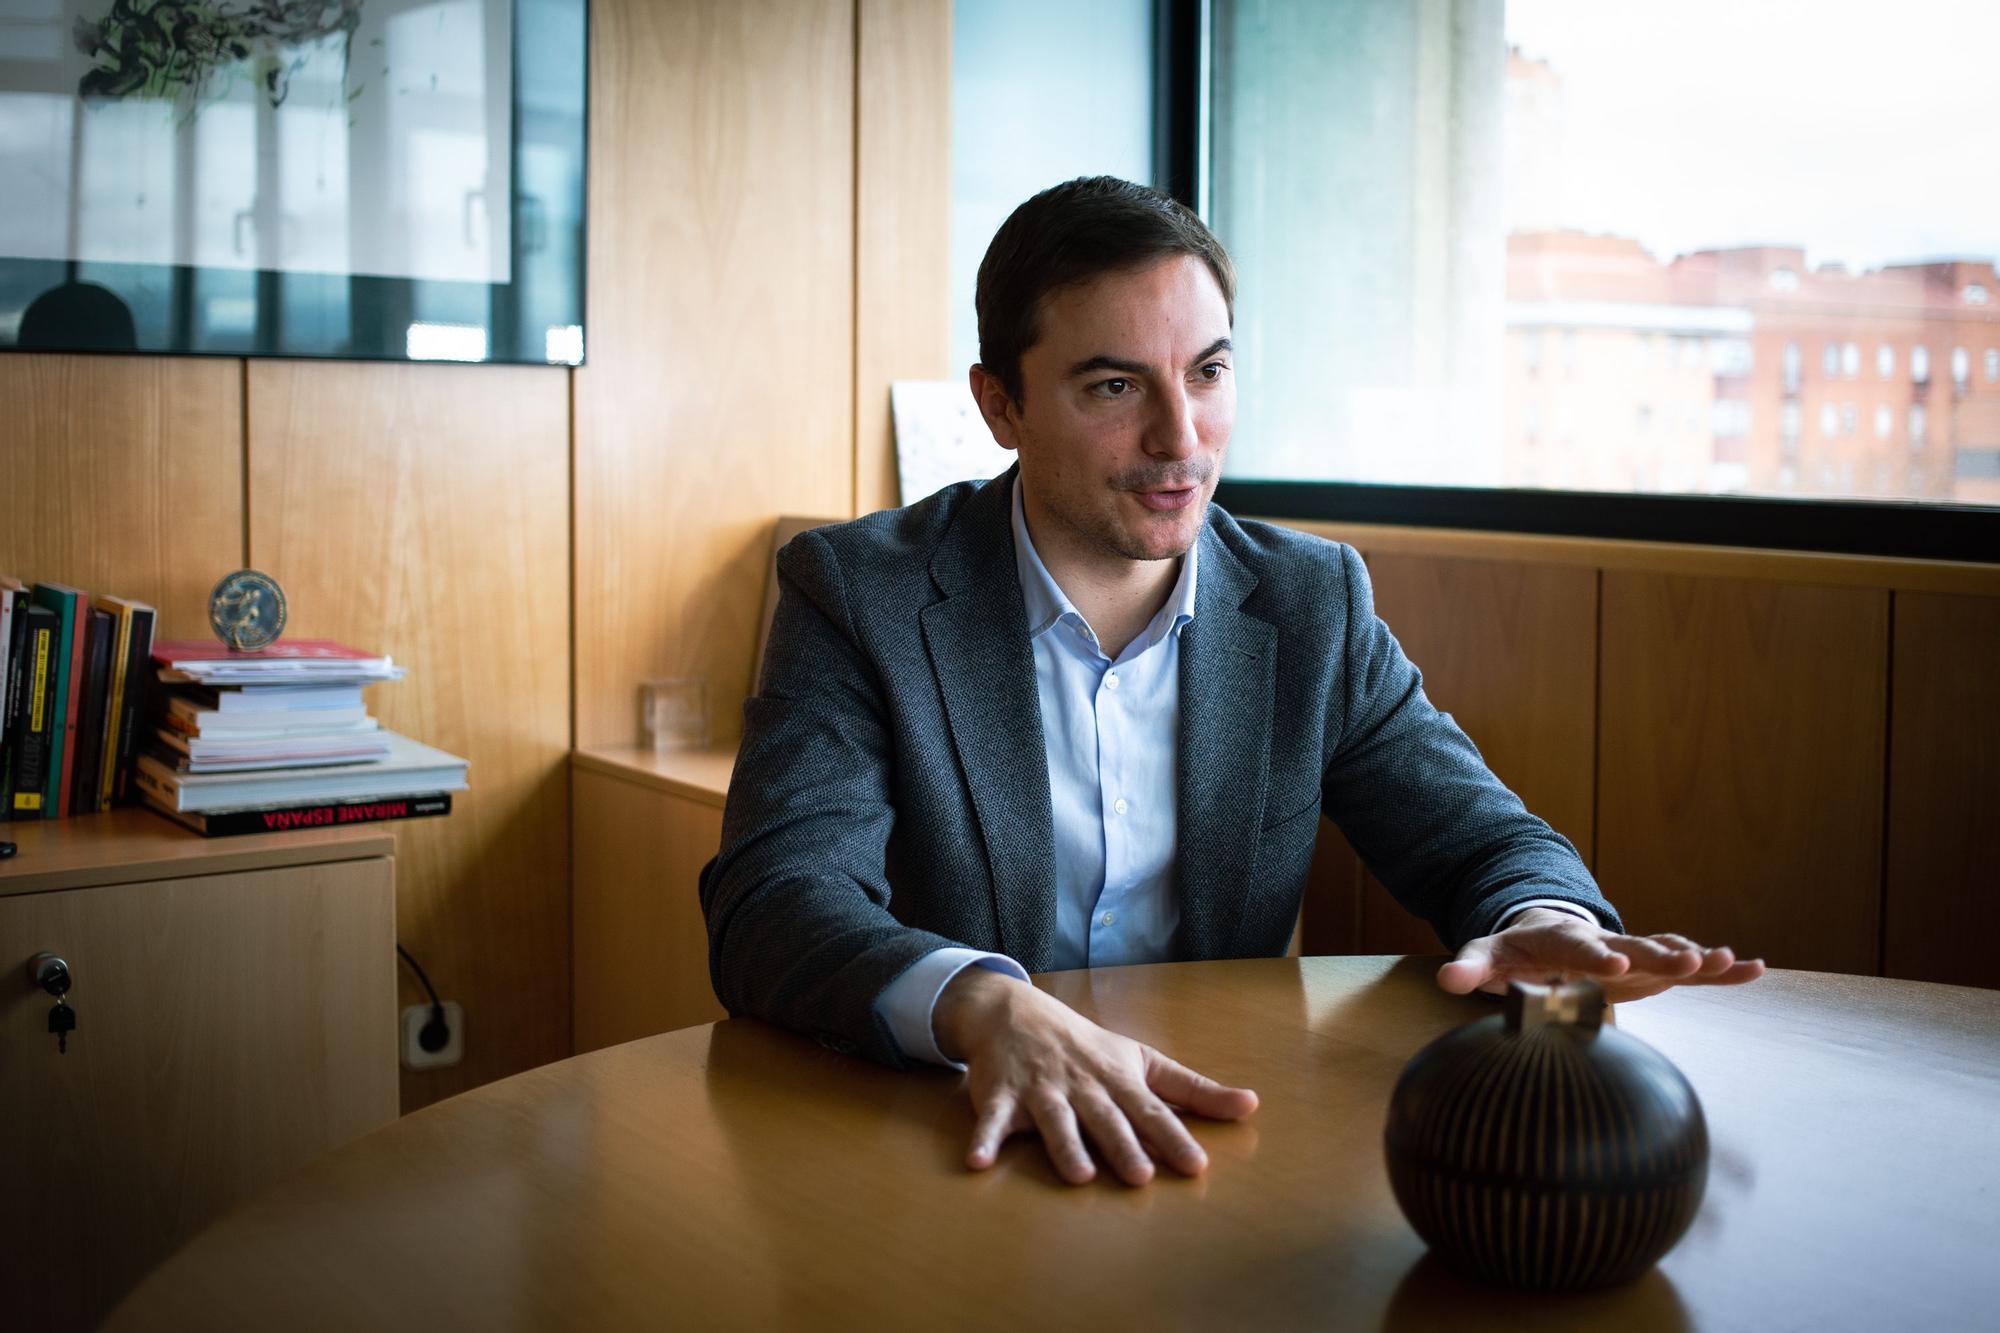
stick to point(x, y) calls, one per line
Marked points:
point(996, 405)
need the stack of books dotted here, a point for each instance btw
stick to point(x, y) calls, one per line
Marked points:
point(281, 738)
point(72, 676)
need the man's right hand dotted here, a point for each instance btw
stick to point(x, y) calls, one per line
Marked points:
point(1033, 1063)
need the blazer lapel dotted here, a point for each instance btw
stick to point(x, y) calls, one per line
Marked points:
point(1228, 673)
point(977, 639)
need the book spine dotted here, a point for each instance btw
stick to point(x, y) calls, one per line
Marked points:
point(10, 696)
point(114, 711)
point(152, 787)
point(65, 666)
point(93, 696)
point(31, 754)
point(139, 686)
point(229, 823)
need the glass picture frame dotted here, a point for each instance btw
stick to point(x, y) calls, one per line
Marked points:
point(362, 179)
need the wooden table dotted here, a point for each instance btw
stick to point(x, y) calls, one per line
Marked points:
point(735, 1176)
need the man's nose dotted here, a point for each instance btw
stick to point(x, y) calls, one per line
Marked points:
point(1171, 432)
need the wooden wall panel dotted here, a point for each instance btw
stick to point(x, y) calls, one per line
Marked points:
point(423, 510)
point(719, 392)
point(641, 941)
point(1741, 764)
point(1943, 874)
point(902, 242)
point(1510, 651)
point(124, 475)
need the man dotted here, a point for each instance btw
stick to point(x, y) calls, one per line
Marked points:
point(1076, 716)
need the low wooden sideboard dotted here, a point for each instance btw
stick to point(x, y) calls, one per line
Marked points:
point(235, 1003)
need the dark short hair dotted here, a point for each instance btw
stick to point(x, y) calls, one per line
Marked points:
point(1071, 233)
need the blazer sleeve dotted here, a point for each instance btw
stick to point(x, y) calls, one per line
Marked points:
point(1445, 836)
point(797, 902)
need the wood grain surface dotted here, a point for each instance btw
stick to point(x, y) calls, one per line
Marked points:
point(699, 774)
point(719, 392)
point(1818, 568)
point(421, 511)
point(1740, 765)
point(130, 844)
point(230, 1028)
point(124, 476)
point(735, 1176)
point(902, 213)
point(639, 942)
point(1510, 651)
point(1942, 913)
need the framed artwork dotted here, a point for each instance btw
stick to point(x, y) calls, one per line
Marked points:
point(368, 179)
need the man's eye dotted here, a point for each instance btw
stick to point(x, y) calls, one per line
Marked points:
point(1213, 371)
point(1116, 388)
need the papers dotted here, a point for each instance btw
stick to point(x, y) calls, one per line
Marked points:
point(299, 662)
point(941, 438)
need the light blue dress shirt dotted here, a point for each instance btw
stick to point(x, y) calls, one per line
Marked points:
point(1111, 731)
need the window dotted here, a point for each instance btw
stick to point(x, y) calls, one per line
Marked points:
point(1919, 424)
point(1531, 350)
point(1920, 365)
point(1406, 188)
point(1027, 113)
point(1961, 366)
point(1885, 425)
point(1992, 364)
point(1974, 293)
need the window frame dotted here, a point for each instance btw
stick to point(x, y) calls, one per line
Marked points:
point(1914, 529)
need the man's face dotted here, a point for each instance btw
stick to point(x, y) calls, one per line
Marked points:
point(1129, 401)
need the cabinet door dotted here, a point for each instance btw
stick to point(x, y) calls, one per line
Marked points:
point(229, 1028)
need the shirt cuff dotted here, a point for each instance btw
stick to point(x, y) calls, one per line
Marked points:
point(1556, 903)
point(908, 1003)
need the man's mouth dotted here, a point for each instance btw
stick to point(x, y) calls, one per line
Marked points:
point(1168, 500)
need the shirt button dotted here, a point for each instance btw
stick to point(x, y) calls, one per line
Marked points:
point(1120, 806)
point(1111, 681)
point(1105, 919)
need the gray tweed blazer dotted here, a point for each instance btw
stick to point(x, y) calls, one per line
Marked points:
point(891, 795)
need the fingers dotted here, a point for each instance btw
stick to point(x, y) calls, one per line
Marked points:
point(1650, 954)
point(995, 1123)
point(1162, 1131)
point(1112, 1133)
point(1064, 1145)
point(1176, 1083)
point(1472, 968)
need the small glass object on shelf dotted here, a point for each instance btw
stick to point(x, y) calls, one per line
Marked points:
point(673, 713)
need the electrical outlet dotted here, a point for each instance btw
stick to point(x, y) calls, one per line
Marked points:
point(414, 1054)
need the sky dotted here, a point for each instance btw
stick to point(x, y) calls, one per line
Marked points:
point(1864, 131)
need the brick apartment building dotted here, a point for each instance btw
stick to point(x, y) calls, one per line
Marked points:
point(1734, 370)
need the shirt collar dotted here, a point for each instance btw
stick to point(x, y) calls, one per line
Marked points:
point(1047, 603)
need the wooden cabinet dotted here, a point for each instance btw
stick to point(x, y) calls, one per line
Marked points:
point(645, 825)
point(236, 1012)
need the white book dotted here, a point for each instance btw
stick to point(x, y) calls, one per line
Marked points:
point(411, 769)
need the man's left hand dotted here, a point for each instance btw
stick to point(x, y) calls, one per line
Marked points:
point(1542, 942)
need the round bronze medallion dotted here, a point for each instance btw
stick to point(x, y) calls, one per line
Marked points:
point(247, 610)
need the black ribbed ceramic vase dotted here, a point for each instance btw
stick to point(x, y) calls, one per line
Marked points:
point(1539, 1148)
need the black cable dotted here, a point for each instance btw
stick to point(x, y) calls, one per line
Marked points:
point(436, 1034)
